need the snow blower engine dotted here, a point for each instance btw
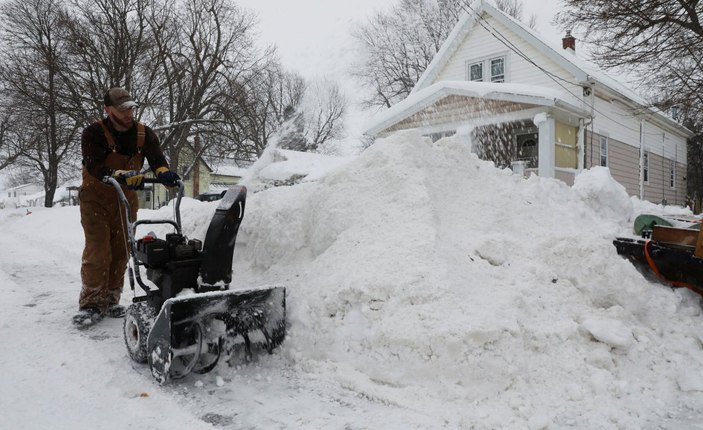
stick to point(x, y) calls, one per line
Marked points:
point(189, 317)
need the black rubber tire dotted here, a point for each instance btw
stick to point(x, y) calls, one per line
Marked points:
point(137, 323)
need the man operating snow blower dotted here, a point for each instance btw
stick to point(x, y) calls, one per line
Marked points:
point(113, 146)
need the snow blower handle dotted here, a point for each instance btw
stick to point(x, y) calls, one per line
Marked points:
point(115, 182)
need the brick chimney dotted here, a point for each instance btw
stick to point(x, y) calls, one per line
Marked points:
point(568, 41)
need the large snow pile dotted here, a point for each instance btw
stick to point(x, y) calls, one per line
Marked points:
point(431, 279)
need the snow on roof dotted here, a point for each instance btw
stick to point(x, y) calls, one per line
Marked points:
point(229, 170)
point(518, 93)
point(223, 166)
point(23, 186)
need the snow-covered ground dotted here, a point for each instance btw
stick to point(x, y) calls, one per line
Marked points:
point(426, 289)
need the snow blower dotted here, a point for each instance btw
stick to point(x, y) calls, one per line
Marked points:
point(188, 317)
point(672, 255)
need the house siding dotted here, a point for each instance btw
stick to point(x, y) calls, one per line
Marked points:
point(658, 189)
point(623, 130)
point(623, 163)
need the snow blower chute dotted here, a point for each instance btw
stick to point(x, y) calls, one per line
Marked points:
point(189, 317)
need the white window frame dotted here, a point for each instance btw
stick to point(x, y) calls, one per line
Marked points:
point(485, 64)
point(497, 77)
point(480, 66)
point(603, 144)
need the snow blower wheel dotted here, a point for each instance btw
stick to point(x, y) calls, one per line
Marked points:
point(137, 324)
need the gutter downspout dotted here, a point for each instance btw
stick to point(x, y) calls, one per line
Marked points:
point(641, 175)
point(581, 142)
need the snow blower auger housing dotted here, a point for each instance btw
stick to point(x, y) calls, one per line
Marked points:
point(188, 317)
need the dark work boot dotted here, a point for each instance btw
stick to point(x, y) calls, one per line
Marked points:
point(115, 311)
point(86, 317)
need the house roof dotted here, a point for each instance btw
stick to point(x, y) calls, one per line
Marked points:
point(224, 167)
point(20, 187)
point(505, 92)
point(584, 72)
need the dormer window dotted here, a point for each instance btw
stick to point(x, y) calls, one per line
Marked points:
point(476, 72)
point(498, 69)
point(492, 69)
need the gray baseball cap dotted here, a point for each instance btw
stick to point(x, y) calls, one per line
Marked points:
point(119, 98)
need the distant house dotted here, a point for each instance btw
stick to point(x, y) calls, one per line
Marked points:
point(527, 104)
point(22, 195)
point(206, 176)
point(224, 173)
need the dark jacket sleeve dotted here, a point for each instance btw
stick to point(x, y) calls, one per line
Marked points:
point(94, 149)
point(152, 150)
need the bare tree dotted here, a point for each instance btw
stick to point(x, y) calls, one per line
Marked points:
point(261, 105)
point(110, 43)
point(515, 9)
point(193, 65)
point(8, 144)
point(398, 45)
point(31, 69)
point(207, 50)
point(662, 40)
point(178, 58)
point(317, 118)
point(323, 111)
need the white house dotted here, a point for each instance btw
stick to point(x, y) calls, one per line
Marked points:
point(524, 102)
point(22, 195)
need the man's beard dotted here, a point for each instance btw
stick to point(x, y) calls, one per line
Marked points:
point(126, 125)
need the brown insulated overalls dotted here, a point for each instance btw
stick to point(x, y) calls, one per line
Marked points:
point(103, 218)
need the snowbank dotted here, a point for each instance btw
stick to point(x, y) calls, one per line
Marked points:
point(426, 277)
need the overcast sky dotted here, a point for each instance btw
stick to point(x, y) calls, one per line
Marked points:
point(313, 36)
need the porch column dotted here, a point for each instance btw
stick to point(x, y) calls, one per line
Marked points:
point(581, 144)
point(547, 130)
